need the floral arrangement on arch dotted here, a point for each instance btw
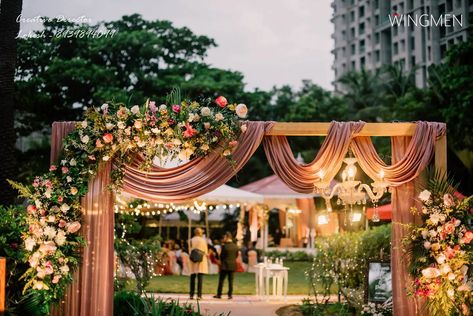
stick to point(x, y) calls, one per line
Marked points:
point(442, 255)
point(174, 130)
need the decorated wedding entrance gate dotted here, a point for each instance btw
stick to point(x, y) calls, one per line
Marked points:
point(413, 145)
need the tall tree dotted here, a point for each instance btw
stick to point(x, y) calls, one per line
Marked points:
point(9, 28)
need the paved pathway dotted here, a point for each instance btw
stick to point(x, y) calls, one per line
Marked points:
point(240, 305)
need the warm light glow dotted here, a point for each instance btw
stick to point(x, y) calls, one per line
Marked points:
point(381, 174)
point(322, 220)
point(344, 175)
point(356, 217)
point(351, 171)
point(321, 174)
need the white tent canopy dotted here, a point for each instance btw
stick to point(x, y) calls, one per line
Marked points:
point(226, 194)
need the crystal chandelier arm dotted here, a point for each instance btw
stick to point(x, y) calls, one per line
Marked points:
point(373, 196)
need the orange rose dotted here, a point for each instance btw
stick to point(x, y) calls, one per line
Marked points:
point(107, 138)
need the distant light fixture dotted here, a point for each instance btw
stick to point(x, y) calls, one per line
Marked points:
point(322, 219)
point(356, 217)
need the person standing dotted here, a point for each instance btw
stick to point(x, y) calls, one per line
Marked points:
point(228, 265)
point(198, 262)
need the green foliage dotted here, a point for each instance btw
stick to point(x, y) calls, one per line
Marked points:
point(340, 261)
point(13, 225)
point(131, 304)
point(289, 255)
point(331, 309)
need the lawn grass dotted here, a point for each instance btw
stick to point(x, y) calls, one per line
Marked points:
point(244, 283)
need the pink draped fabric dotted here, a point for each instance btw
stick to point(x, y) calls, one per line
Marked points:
point(301, 177)
point(197, 177)
point(402, 199)
point(91, 292)
point(415, 158)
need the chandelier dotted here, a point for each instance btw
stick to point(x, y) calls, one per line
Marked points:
point(350, 191)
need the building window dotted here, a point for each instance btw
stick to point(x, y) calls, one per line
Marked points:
point(344, 52)
point(410, 5)
point(402, 63)
point(377, 56)
point(449, 4)
point(353, 65)
point(403, 45)
point(460, 39)
point(362, 62)
point(361, 11)
point(343, 18)
point(361, 30)
point(458, 3)
point(376, 4)
point(396, 48)
point(429, 53)
point(394, 8)
point(352, 32)
point(395, 29)
point(376, 20)
point(362, 46)
point(376, 38)
point(413, 61)
point(353, 49)
point(344, 66)
point(443, 50)
point(352, 16)
point(413, 43)
point(344, 35)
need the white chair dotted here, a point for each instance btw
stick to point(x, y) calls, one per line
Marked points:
point(252, 261)
point(279, 276)
point(185, 264)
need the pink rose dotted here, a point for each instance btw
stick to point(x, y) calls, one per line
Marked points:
point(98, 143)
point(65, 170)
point(431, 273)
point(107, 138)
point(233, 143)
point(48, 184)
point(62, 223)
point(52, 168)
point(449, 253)
point(467, 237)
point(138, 124)
point(73, 227)
point(176, 108)
point(60, 199)
point(206, 125)
point(48, 267)
point(42, 212)
point(56, 278)
point(31, 209)
point(448, 200)
point(152, 106)
point(221, 101)
point(91, 157)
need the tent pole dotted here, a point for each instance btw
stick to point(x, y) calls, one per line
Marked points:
point(189, 234)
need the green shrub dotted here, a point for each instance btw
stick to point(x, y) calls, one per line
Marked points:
point(288, 255)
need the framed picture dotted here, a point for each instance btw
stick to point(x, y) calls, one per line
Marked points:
point(378, 284)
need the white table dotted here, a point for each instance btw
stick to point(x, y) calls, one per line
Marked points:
point(259, 278)
point(279, 274)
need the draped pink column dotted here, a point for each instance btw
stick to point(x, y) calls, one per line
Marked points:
point(402, 199)
point(91, 292)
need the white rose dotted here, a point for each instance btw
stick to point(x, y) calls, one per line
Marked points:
point(435, 218)
point(445, 268)
point(243, 128)
point(65, 207)
point(64, 269)
point(105, 158)
point(451, 276)
point(109, 126)
point(450, 293)
point(219, 116)
point(424, 195)
point(73, 162)
point(85, 139)
point(50, 232)
point(135, 109)
point(427, 245)
point(155, 130)
point(104, 107)
point(205, 111)
point(121, 125)
point(432, 233)
point(60, 238)
point(29, 243)
point(425, 233)
point(440, 259)
point(163, 107)
point(84, 124)
point(68, 179)
point(204, 147)
point(176, 142)
point(241, 110)
point(47, 193)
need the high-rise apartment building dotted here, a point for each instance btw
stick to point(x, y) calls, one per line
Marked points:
point(410, 33)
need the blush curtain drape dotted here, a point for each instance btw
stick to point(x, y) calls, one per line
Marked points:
point(195, 178)
point(301, 177)
point(91, 292)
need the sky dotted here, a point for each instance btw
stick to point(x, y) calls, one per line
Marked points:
point(272, 42)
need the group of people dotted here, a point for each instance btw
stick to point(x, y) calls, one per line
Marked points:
point(199, 265)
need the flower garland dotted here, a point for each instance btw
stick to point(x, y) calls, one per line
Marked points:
point(442, 253)
point(181, 130)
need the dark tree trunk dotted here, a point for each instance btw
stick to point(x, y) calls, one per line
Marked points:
point(9, 27)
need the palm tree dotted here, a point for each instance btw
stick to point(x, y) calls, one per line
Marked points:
point(9, 28)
